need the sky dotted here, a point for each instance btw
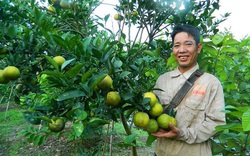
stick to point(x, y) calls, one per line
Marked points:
point(237, 23)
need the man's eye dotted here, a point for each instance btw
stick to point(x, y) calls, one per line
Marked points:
point(176, 45)
point(189, 44)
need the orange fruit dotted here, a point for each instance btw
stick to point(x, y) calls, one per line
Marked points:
point(156, 110)
point(152, 126)
point(113, 98)
point(11, 73)
point(163, 121)
point(106, 83)
point(141, 119)
point(59, 60)
point(152, 96)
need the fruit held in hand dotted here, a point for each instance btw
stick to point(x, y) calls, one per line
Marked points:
point(153, 98)
point(173, 121)
point(152, 126)
point(156, 110)
point(164, 121)
point(141, 119)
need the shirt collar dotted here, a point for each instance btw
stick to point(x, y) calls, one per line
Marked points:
point(187, 74)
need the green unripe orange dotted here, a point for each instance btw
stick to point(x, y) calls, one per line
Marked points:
point(11, 73)
point(113, 98)
point(141, 119)
point(2, 79)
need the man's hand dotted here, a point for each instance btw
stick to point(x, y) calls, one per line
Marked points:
point(172, 133)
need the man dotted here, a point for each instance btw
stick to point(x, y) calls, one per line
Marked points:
point(200, 111)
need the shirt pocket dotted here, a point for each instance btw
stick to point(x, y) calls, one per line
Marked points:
point(190, 111)
point(195, 104)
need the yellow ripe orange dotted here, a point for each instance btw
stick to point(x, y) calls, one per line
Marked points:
point(174, 121)
point(59, 60)
point(156, 110)
point(152, 96)
point(51, 9)
point(118, 17)
point(106, 83)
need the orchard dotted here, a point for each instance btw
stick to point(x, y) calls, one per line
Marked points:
point(60, 63)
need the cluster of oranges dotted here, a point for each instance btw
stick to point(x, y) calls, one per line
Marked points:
point(155, 118)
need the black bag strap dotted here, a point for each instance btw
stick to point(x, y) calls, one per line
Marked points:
point(183, 91)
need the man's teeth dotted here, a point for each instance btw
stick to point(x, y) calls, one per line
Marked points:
point(182, 57)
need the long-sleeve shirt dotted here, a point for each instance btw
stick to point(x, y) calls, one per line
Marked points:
point(198, 113)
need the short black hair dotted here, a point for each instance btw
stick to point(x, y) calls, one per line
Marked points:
point(191, 30)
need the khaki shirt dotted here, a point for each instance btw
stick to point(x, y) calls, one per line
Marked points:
point(198, 113)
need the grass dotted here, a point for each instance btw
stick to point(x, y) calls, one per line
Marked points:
point(11, 145)
point(10, 125)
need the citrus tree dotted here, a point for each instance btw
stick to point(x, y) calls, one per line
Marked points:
point(76, 71)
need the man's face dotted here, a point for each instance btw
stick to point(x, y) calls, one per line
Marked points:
point(185, 51)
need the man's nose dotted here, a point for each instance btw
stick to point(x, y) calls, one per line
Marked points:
point(182, 49)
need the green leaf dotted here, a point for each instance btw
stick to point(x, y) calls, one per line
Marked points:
point(124, 74)
point(232, 126)
point(229, 50)
point(44, 118)
point(217, 39)
point(118, 63)
point(60, 41)
point(12, 31)
point(55, 74)
point(246, 121)
point(74, 70)
point(148, 52)
point(217, 148)
point(97, 122)
point(54, 64)
point(97, 81)
point(42, 140)
point(150, 140)
point(36, 140)
point(80, 114)
point(78, 128)
point(66, 63)
point(70, 94)
point(88, 74)
point(86, 43)
point(129, 139)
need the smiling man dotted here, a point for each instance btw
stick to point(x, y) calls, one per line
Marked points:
point(200, 111)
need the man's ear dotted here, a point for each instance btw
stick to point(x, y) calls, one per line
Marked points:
point(199, 47)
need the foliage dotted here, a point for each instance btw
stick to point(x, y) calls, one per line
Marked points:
point(33, 35)
point(228, 58)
